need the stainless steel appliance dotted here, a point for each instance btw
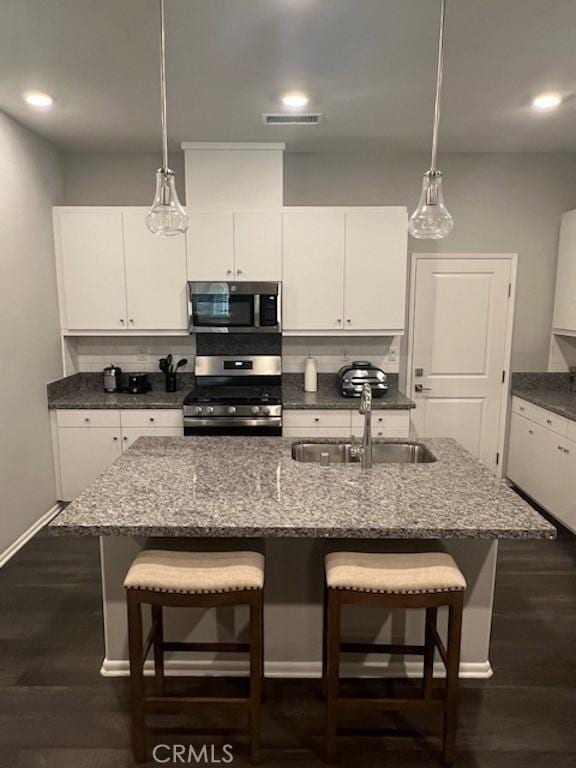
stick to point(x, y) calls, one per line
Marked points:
point(352, 378)
point(235, 395)
point(111, 377)
point(223, 307)
point(138, 383)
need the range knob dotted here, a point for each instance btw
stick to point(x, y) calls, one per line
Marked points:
point(266, 411)
point(255, 410)
point(209, 410)
point(231, 410)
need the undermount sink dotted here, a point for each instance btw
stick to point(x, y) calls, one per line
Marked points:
point(346, 453)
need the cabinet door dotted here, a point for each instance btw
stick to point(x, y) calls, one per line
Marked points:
point(565, 302)
point(210, 245)
point(92, 269)
point(522, 462)
point(258, 246)
point(313, 271)
point(85, 452)
point(549, 471)
point(155, 276)
point(130, 434)
point(567, 504)
point(376, 266)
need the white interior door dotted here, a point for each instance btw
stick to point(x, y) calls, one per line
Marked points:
point(462, 311)
point(155, 276)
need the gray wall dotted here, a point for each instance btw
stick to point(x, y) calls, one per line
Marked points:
point(29, 341)
point(504, 202)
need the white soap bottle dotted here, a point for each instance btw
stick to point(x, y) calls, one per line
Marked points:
point(311, 375)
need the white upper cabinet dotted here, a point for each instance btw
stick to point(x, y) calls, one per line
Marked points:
point(258, 245)
point(313, 271)
point(375, 272)
point(115, 275)
point(235, 245)
point(92, 286)
point(565, 304)
point(155, 276)
point(210, 245)
point(344, 271)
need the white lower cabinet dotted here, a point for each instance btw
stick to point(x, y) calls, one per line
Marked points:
point(89, 441)
point(85, 452)
point(542, 461)
point(343, 423)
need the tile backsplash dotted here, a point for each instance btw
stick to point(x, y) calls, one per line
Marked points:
point(562, 353)
point(92, 354)
point(332, 353)
point(132, 354)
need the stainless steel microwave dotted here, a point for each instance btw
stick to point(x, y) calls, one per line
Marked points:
point(224, 307)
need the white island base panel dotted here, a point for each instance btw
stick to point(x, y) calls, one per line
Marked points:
point(293, 611)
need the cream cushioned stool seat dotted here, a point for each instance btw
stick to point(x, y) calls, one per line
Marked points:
point(162, 570)
point(410, 573)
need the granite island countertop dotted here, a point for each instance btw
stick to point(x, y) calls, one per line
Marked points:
point(547, 390)
point(251, 487)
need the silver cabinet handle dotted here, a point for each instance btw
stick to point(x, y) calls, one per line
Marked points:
point(348, 321)
point(316, 419)
point(566, 450)
point(228, 271)
point(238, 271)
point(151, 418)
point(560, 448)
point(86, 419)
point(115, 438)
point(548, 421)
point(122, 320)
point(132, 321)
point(530, 432)
point(422, 388)
point(125, 438)
point(339, 320)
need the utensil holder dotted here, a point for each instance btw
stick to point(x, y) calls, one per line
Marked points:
point(171, 384)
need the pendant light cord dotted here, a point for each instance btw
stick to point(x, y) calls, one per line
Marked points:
point(433, 162)
point(163, 87)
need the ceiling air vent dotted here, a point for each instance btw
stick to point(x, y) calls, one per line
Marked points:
point(280, 118)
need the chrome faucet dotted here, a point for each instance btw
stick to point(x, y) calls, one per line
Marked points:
point(366, 411)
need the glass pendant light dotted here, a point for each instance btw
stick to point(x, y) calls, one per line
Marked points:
point(431, 220)
point(166, 217)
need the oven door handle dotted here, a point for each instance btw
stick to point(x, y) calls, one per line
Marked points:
point(222, 421)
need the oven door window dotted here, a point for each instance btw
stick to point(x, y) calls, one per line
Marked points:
point(221, 309)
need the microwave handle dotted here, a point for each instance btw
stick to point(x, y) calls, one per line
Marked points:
point(257, 322)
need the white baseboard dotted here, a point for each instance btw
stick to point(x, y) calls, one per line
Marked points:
point(295, 669)
point(10, 551)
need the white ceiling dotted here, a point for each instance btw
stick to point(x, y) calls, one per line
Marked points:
point(369, 66)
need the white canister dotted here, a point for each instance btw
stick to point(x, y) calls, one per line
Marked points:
point(311, 375)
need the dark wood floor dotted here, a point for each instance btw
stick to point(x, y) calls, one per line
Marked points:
point(57, 712)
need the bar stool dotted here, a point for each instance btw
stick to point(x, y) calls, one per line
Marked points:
point(388, 581)
point(163, 578)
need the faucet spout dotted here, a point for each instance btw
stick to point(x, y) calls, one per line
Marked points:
point(366, 411)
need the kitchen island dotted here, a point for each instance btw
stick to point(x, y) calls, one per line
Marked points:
point(248, 492)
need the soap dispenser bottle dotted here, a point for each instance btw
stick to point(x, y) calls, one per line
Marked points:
point(311, 375)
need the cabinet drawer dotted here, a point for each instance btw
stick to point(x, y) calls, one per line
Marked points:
point(382, 420)
point(540, 416)
point(382, 431)
point(317, 419)
point(88, 418)
point(316, 432)
point(150, 417)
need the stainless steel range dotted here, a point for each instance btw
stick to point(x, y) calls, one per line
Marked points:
point(235, 395)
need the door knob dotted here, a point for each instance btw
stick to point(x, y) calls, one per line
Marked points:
point(421, 388)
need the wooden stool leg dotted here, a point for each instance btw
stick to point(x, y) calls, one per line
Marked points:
point(256, 671)
point(453, 666)
point(332, 672)
point(325, 642)
point(158, 650)
point(136, 650)
point(429, 647)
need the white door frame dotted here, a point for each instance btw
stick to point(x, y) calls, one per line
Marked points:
point(505, 400)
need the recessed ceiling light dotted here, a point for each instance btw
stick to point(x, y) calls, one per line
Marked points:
point(38, 100)
point(547, 101)
point(295, 100)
